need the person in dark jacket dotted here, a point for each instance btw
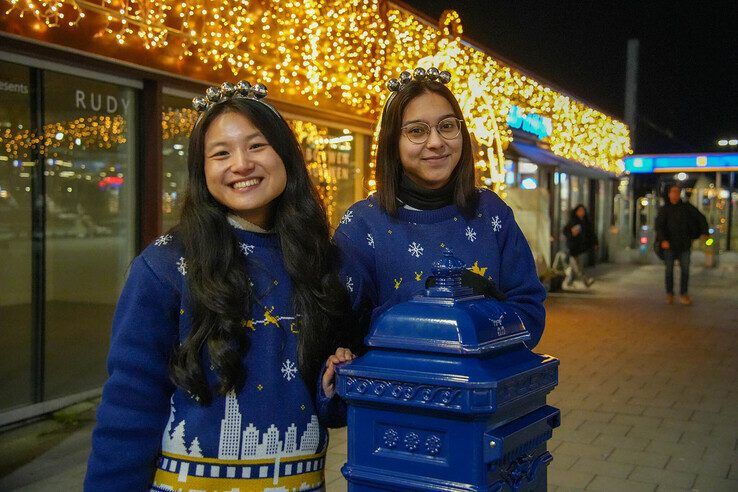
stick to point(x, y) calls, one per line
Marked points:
point(678, 223)
point(580, 240)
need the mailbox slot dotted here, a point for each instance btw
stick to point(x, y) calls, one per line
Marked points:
point(521, 436)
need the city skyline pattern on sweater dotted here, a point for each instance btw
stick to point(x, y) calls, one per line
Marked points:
point(191, 450)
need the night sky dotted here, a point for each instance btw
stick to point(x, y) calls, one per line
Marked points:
point(688, 67)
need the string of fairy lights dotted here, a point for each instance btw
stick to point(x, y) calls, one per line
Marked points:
point(90, 132)
point(340, 53)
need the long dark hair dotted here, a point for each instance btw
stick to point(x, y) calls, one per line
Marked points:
point(389, 164)
point(217, 281)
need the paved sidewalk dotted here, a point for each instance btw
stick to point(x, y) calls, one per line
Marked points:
point(647, 392)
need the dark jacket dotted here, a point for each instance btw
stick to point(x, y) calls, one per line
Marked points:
point(583, 242)
point(680, 224)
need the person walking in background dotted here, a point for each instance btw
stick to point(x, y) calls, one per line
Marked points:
point(580, 240)
point(678, 223)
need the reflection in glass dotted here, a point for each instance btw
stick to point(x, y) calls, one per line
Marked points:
point(331, 156)
point(16, 166)
point(563, 204)
point(90, 185)
point(177, 120)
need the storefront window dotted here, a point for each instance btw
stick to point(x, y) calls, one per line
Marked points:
point(584, 192)
point(177, 120)
point(734, 221)
point(90, 129)
point(16, 165)
point(509, 172)
point(334, 159)
point(564, 206)
point(528, 175)
point(574, 193)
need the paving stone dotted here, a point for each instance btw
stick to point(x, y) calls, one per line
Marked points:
point(720, 455)
point(593, 416)
point(636, 420)
point(704, 405)
point(584, 436)
point(610, 484)
point(711, 484)
point(713, 441)
point(560, 488)
point(585, 450)
point(649, 399)
point(688, 426)
point(725, 430)
point(605, 428)
point(639, 458)
point(690, 452)
point(671, 488)
point(656, 434)
point(630, 443)
point(568, 478)
point(712, 417)
point(670, 413)
point(563, 461)
point(601, 467)
point(711, 468)
point(662, 477)
point(622, 408)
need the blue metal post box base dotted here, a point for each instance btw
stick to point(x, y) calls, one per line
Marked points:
point(448, 397)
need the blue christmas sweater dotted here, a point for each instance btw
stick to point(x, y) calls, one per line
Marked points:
point(386, 260)
point(151, 435)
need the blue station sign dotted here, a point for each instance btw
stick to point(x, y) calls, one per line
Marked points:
point(533, 123)
point(681, 163)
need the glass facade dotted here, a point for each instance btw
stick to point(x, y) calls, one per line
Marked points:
point(177, 120)
point(334, 158)
point(69, 157)
point(16, 166)
point(67, 199)
point(90, 223)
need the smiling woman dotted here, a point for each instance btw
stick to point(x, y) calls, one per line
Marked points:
point(223, 322)
point(242, 170)
point(425, 204)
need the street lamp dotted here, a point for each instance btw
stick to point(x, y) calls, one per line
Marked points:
point(728, 142)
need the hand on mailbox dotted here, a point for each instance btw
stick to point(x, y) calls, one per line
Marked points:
point(480, 285)
point(329, 376)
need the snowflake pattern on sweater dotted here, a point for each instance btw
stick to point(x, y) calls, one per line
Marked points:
point(394, 264)
point(151, 435)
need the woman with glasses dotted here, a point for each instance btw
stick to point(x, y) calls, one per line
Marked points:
point(426, 202)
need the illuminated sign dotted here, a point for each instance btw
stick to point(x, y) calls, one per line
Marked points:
point(538, 125)
point(110, 181)
point(681, 162)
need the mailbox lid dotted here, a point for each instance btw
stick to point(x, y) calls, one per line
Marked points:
point(466, 325)
point(450, 370)
point(460, 384)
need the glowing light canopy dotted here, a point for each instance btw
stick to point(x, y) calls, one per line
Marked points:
point(339, 53)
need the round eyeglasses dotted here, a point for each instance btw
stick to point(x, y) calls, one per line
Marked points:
point(419, 132)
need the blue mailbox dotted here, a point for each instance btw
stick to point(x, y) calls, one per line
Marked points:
point(448, 397)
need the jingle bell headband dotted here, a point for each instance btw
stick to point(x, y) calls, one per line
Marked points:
point(226, 91)
point(419, 74)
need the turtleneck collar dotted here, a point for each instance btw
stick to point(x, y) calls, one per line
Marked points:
point(413, 195)
point(243, 224)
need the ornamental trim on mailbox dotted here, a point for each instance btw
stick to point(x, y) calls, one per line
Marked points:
point(405, 441)
point(525, 384)
point(440, 396)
